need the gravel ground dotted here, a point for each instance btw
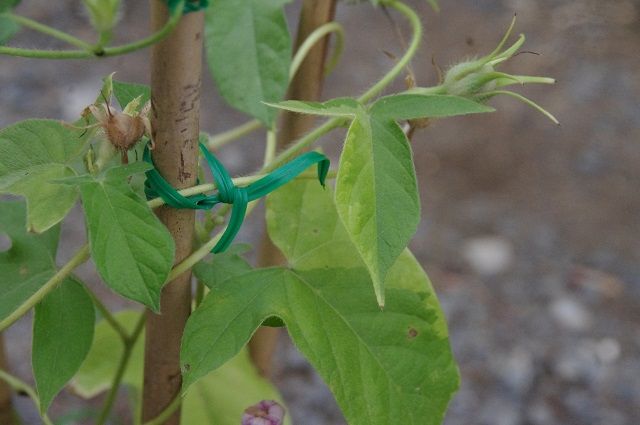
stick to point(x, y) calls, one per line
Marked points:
point(529, 232)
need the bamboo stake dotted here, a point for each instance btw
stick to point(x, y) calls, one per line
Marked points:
point(175, 95)
point(306, 85)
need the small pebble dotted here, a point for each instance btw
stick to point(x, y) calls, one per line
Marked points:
point(570, 314)
point(488, 255)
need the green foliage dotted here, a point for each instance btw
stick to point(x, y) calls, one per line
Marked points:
point(249, 50)
point(223, 266)
point(62, 335)
point(7, 29)
point(103, 13)
point(205, 403)
point(412, 106)
point(96, 373)
point(391, 366)
point(132, 250)
point(30, 261)
point(125, 93)
point(33, 155)
point(376, 194)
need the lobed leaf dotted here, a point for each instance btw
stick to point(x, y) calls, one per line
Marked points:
point(33, 155)
point(249, 51)
point(62, 336)
point(391, 366)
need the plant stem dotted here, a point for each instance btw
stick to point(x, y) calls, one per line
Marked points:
point(128, 342)
point(81, 256)
point(333, 123)
point(219, 140)
point(7, 414)
point(175, 92)
point(106, 314)
point(90, 51)
point(21, 386)
point(416, 27)
point(52, 32)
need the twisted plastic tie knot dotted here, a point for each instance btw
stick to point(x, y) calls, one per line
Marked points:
point(228, 193)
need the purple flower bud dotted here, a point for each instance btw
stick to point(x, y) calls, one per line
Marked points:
point(267, 412)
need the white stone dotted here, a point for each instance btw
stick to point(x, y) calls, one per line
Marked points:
point(488, 255)
point(570, 314)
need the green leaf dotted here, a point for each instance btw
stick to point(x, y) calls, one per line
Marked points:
point(6, 5)
point(127, 92)
point(97, 372)
point(33, 154)
point(376, 194)
point(62, 335)
point(339, 107)
point(249, 51)
point(28, 263)
point(132, 250)
point(383, 366)
point(8, 28)
point(412, 106)
point(223, 266)
point(219, 398)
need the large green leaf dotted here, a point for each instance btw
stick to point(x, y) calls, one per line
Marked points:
point(219, 398)
point(62, 335)
point(28, 263)
point(412, 106)
point(249, 51)
point(33, 155)
point(376, 194)
point(391, 366)
point(132, 250)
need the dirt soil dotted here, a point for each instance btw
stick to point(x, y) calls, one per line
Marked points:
point(530, 231)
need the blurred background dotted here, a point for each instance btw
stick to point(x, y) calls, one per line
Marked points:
point(530, 231)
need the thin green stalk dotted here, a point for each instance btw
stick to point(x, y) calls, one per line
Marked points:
point(92, 51)
point(270, 148)
point(166, 413)
point(50, 31)
point(312, 40)
point(129, 342)
point(20, 386)
point(416, 27)
point(104, 312)
point(333, 123)
point(81, 256)
point(219, 140)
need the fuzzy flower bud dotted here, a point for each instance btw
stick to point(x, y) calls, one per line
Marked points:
point(267, 412)
point(479, 79)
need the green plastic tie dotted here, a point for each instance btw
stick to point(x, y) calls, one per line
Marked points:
point(228, 193)
point(189, 5)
